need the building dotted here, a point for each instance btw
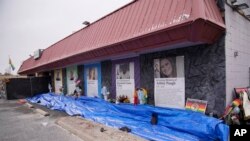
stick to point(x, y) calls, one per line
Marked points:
point(176, 49)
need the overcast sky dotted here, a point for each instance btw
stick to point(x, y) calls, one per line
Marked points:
point(28, 25)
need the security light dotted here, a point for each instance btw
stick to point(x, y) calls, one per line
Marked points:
point(86, 23)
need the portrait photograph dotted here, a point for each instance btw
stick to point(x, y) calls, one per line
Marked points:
point(165, 67)
point(123, 71)
point(72, 77)
point(58, 78)
point(92, 73)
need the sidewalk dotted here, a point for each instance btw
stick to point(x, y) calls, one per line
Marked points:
point(91, 131)
point(87, 130)
point(20, 123)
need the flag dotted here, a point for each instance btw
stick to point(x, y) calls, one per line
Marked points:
point(11, 65)
point(196, 105)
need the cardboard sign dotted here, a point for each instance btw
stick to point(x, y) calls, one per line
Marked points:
point(196, 105)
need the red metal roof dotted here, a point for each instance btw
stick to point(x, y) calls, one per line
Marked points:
point(140, 25)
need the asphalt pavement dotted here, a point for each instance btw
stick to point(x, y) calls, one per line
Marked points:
point(20, 123)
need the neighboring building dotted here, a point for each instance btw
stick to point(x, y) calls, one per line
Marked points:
point(176, 49)
point(237, 48)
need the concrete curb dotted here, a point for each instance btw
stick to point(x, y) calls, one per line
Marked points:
point(74, 130)
point(29, 105)
point(38, 110)
point(42, 112)
point(92, 131)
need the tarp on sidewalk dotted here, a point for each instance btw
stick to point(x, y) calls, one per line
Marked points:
point(173, 124)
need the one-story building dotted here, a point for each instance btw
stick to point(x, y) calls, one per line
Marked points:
point(176, 49)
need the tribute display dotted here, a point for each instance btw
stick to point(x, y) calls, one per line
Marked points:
point(169, 82)
point(125, 82)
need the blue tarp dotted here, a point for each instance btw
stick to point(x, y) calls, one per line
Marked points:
point(173, 124)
